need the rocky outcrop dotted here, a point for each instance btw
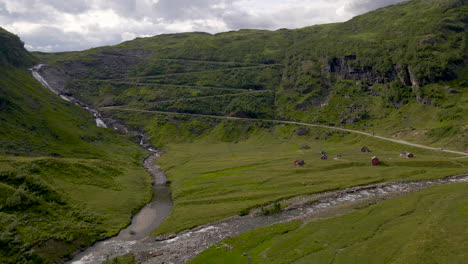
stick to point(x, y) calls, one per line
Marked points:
point(343, 68)
point(106, 64)
point(56, 78)
point(403, 74)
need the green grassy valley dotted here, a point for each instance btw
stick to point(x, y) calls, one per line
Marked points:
point(219, 180)
point(232, 166)
point(60, 175)
point(218, 106)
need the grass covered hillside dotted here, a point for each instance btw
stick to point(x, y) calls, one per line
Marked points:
point(399, 71)
point(60, 175)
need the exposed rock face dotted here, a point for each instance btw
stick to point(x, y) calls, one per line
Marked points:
point(414, 81)
point(342, 68)
point(56, 78)
point(403, 74)
point(106, 65)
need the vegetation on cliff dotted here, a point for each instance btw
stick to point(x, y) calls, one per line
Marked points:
point(399, 71)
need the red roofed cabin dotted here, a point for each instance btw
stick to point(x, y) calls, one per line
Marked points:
point(406, 154)
point(375, 161)
point(299, 163)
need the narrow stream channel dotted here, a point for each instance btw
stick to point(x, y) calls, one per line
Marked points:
point(152, 214)
point(145, 221)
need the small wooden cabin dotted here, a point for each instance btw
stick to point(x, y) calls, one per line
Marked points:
point(375, 161)
point(406, 154)
point(299, 163)
point(365, 149)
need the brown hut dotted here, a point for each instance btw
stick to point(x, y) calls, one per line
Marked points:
point(299, 163)
point(365, 149)
point(375, 161)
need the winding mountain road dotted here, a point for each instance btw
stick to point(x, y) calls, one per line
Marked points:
point(293, 123)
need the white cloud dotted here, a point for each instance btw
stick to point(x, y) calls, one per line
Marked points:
point(81, 24)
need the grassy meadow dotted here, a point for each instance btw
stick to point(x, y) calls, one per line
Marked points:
point(424, 227)
point(218, 175)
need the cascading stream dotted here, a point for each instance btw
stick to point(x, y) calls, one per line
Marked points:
point(152, 214)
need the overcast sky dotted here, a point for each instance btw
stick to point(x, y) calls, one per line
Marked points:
point(65, 25)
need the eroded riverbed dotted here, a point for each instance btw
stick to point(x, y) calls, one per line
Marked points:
point(183, 246)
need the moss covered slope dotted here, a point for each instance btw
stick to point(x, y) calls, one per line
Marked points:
point(60, 175)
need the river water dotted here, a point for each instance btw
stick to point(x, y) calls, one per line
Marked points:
point(152, 214)
point(183, 246)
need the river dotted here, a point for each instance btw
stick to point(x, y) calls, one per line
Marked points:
point(151, 215)
point(181, 247)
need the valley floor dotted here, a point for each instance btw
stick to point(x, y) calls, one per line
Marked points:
point(334, 222)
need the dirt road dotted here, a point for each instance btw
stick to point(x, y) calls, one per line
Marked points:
point(295, 123)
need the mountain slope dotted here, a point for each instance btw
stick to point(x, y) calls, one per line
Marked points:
point(60, 175)
point(397, 71)
point(400, 63)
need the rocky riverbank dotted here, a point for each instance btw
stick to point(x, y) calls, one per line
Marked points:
point(183, 246)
